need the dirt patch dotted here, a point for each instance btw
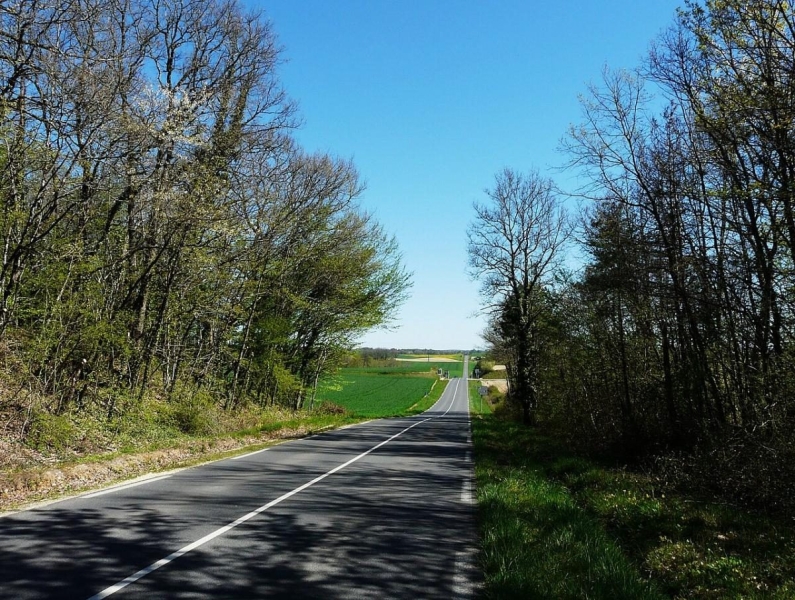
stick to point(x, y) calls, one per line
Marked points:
point(500, 384)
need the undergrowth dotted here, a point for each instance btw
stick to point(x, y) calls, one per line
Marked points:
point(556, 525)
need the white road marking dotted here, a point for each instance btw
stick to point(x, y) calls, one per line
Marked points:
point(466, 491)
point(453, 400)
point(126, 486)
point(467, 497)
point(222, 530)
point(249, 454)
point(463, 574)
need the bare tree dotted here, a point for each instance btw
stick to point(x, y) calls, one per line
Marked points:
point(514, 246)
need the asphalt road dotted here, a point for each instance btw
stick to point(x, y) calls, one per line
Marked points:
point(379, 510)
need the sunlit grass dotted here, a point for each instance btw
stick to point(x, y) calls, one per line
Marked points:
point(555, 525)
point(429, 399)
point(477, 404)
point(537, 542)
point(376, 395)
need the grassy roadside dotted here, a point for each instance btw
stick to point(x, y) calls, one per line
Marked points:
point(554, 525)
point(429, 399)
point(154, 451)
point(537, 542)
point(64, 475)
point(477, 404)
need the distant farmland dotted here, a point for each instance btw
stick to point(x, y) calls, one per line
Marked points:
point(375, 395)
point(386, 390)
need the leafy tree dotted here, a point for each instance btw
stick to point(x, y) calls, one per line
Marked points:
point(162, 231)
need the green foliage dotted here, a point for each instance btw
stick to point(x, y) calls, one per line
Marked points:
point(495, 375)
point(52, 433)
point(175, 252)
point(193, 411)
point(485, 366)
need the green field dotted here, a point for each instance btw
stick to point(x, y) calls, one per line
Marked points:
point(374, 395)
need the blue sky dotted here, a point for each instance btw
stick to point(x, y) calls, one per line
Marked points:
point(431, 99)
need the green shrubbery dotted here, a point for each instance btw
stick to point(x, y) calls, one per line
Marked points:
point(178, 290)
point(193, 411)
point(53, 433)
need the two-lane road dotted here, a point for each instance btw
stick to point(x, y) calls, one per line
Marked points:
point(379, 510)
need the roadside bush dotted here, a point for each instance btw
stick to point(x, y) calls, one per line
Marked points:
point(740, 469)
point(48, 432)
point(193, 411)
point(502, 405)
point(330, 408)
point(494, 395)
point(494, 375)
point(485, 366)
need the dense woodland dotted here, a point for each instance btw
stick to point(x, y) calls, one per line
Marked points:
point(163, 236)
point(677, 337)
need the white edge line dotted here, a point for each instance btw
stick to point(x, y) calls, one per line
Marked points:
point(125, 486)
point(453, 400)
point(463, 585)
point(466, 491)
point(355, 424)
point(200, 542)
point(250, 453)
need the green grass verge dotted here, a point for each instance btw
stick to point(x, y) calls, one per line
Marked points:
point(430, 398)
point(477, 405)
point(555, 525)
point(536, 541)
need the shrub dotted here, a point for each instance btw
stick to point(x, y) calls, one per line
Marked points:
point(51, 432)
point(330, 408)
point(193, 410)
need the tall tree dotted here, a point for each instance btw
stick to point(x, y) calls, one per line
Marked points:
point(514, 246)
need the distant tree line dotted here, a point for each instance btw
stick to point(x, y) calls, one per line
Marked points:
point(380, 357)
point(679, 333)
point(161, 230)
